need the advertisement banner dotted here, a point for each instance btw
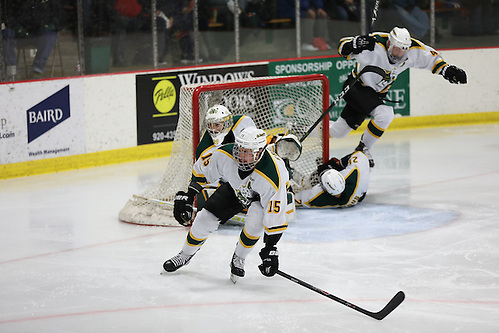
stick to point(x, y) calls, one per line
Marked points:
point(337, 70)
point(41, 120)
point(158, 97)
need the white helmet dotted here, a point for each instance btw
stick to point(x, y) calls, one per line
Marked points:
point(218, 122)
point(249, 147)
point(400, 38)
point(333, 182)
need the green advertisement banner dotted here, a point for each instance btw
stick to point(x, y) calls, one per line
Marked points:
point(337, 70)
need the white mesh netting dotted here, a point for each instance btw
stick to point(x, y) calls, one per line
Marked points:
point(274, 103)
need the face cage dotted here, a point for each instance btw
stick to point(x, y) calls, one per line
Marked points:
point(393, 59)
point(246, 166)
point(219, 135)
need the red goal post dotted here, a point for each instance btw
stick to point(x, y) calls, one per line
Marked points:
point(265, 81)
point(275, 104)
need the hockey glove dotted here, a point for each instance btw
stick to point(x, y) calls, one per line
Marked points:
point(183, 208)
point(454, 74)
point(361, 43)
point(270, 261)
point(289, 147)
point(333, 163)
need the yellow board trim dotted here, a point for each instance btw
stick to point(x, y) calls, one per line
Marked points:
point(163, 149)
point(64, 163)
point(401, 123)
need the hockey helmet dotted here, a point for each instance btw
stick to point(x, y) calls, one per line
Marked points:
point(249, 148)
point(333, 182)
point(400, 42)
point(218, 122)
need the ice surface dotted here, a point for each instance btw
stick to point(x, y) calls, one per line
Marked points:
point(428, 226)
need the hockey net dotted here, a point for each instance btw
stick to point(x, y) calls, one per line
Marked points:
point(275, 104)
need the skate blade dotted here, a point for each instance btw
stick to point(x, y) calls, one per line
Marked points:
point(234, 278)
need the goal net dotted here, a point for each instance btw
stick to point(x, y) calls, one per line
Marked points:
point(276, 104)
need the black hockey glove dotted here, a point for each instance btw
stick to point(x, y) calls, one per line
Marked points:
point(333, 163)
point(270, 261)
point(183, 208)
point(361, 43)
point(454, 74)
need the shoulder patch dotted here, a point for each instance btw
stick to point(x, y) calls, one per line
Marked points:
point(227, 149)
point(237, 120)
point(381, 39)
point(416, 44)
point(205, 143)
point(267, 168)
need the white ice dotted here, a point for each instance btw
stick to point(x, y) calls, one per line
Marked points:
point(429, 226)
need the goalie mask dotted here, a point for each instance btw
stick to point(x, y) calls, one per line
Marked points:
point(333, 182)
point(249, 148)
point(218, 122)
point(400, 42)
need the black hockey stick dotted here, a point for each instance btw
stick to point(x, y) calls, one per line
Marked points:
point(368, 68)
point(392, 305)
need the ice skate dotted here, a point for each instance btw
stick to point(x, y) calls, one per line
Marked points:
point(174, 263)
point(236, 268)
point(362, 147)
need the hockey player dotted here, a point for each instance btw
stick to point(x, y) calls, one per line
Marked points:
point(393, 52)
point(253, 178)
point(222, 127)
point(339, 183)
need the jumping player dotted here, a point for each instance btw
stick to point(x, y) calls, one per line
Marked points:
point(393, 52)
point(251, 177)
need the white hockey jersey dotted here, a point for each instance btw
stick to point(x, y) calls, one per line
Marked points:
point(356, 174)
point(267, 183)
point(419, 55)
point(206, 146)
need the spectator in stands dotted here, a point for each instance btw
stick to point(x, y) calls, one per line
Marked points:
point(348, 10)
point(125, 18)
point(181, 15)
point(414, 18)
point(313, 23)
point(481, 17)
point(476, 17)
point(30, 22)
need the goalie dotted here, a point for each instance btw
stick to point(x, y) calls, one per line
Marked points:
point(339, 183)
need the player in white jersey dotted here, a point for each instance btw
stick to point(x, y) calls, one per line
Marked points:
point(393, 52)
point(340, 183)
point(222, 128)
point(251, 177)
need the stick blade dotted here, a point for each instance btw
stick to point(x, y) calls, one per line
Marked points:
point(392, 305)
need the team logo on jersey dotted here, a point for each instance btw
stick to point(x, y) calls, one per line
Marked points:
point(245, 193)
point(48, 114)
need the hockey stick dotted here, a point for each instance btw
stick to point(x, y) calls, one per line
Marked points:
point(368, 68)
point(375, 13)
point(392, 305)
point(169, 205)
